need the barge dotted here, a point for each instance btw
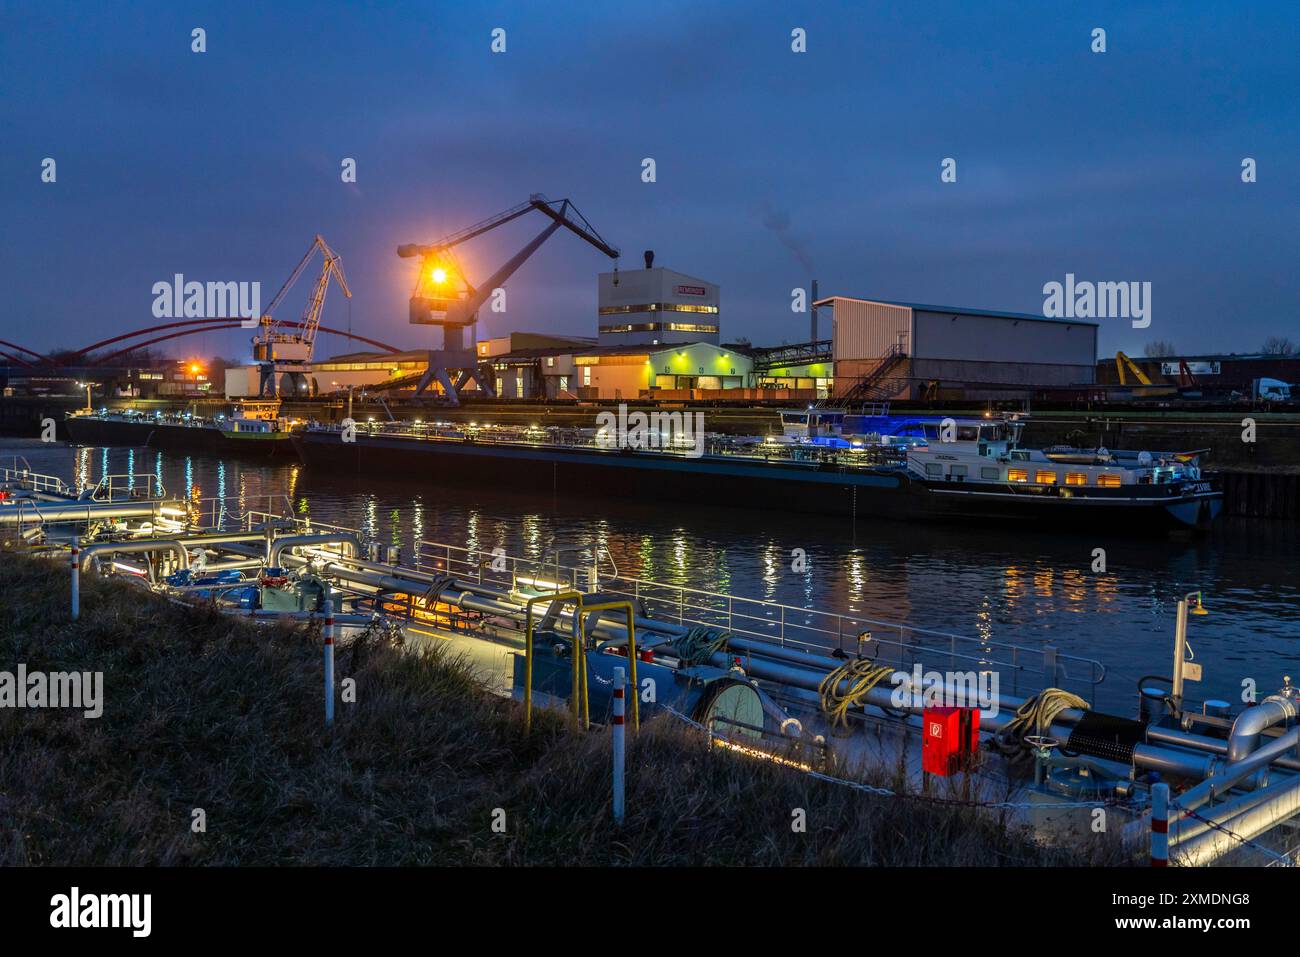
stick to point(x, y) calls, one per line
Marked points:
point(970, 469)
point(253, 429)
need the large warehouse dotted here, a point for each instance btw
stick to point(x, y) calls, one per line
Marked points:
point(905, 350)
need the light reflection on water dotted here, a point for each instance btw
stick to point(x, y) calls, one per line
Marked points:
point(1003, 584)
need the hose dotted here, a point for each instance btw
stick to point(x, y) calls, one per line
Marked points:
point(863, 674)
point(700, 644)
point(1036, 717)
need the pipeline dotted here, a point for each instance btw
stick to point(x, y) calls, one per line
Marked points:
point(90, 552)
point(293, 541)
point(1169, 751)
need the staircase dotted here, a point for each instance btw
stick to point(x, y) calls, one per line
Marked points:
point(867, 388)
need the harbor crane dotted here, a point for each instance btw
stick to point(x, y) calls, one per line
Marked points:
point(444, 297)
point(285, 357)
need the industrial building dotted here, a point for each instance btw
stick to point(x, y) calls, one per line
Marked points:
point(656, 306)
point(901, 350)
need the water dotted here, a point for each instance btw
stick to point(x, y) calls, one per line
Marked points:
point(1013, 584)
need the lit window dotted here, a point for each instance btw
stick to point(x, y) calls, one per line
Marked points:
point(586, 375)
point(1017, 475)
point(1045, 478)
point(1076, 478)
point(1108, 480)
point(550, 360)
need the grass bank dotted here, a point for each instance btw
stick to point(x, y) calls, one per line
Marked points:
point(204, 711)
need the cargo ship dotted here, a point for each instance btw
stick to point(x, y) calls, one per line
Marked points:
point(254, 429)
point(938, 469)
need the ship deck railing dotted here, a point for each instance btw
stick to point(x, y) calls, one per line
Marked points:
point(1021, 668)
point(715, 445)
point(19, 474)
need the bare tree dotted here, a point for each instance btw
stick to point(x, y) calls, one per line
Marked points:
point(1278, 346)
point(1159, 348)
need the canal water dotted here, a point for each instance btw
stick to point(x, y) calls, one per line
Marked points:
point(1028, 586)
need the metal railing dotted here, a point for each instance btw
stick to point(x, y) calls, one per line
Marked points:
point(123, 486)
point(19, 473)
point(674, 442)
point(812, 630)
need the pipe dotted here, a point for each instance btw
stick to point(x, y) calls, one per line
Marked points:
point(1236, 771)
point(774, 663)
point(1251, 723)
point(1184, 828)
point(1282, 802)
point(20, 514)
point(89, 552)
point(293, 541)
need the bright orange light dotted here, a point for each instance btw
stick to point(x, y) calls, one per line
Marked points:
point(195, 368)
point(439, 275)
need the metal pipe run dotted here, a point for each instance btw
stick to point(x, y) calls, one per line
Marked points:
point(1281, 803)
point(25, 512)
point(1236, 771)
point(331, 538)
point(90, 552)
point(1251, 723)
point(1169, 751)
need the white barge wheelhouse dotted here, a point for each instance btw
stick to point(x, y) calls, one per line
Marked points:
point(980, 459)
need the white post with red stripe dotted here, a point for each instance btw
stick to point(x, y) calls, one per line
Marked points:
point(617, 729)
point(1160, 825)
point(76, 577)
point(329, 662)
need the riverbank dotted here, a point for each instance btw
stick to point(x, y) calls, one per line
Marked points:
point(202, 711)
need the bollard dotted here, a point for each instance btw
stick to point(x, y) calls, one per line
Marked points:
point(329, 662)
point(617, 732)
point(76, 578)
point(1160, 825)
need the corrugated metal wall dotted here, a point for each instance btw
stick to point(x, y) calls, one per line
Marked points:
point(957, 335)
point(868, 330)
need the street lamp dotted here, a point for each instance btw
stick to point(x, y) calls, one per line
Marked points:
point(1181, 648)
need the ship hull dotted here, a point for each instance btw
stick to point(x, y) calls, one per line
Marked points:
point(205, 439)
point(853, 493)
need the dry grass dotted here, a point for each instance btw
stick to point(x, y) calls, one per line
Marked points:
point(205, 711)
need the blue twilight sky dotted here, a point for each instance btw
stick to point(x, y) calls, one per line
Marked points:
point(772, 166)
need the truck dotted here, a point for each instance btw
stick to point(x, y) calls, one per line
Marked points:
point(1269, 390)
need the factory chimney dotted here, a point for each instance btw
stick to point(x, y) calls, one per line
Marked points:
point(813, 311)
point(649, 259)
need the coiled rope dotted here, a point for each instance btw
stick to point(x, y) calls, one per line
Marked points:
point(862, 674)
point(1035, 717)
point(699, 644)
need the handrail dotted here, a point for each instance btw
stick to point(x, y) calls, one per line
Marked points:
point(528, 650)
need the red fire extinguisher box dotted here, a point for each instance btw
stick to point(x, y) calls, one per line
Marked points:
point(951, 736)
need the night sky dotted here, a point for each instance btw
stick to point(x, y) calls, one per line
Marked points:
point(772, 166)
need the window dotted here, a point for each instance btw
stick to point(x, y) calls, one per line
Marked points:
point(957, 473)
point(586, 375)
point(933, 470)
point(990, 473)
point(1043, 477)
point(550, 360)
point(564, 383)
point(1017, 475)
point(519, 385)
point(1108, 481)
point(1076, 478)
